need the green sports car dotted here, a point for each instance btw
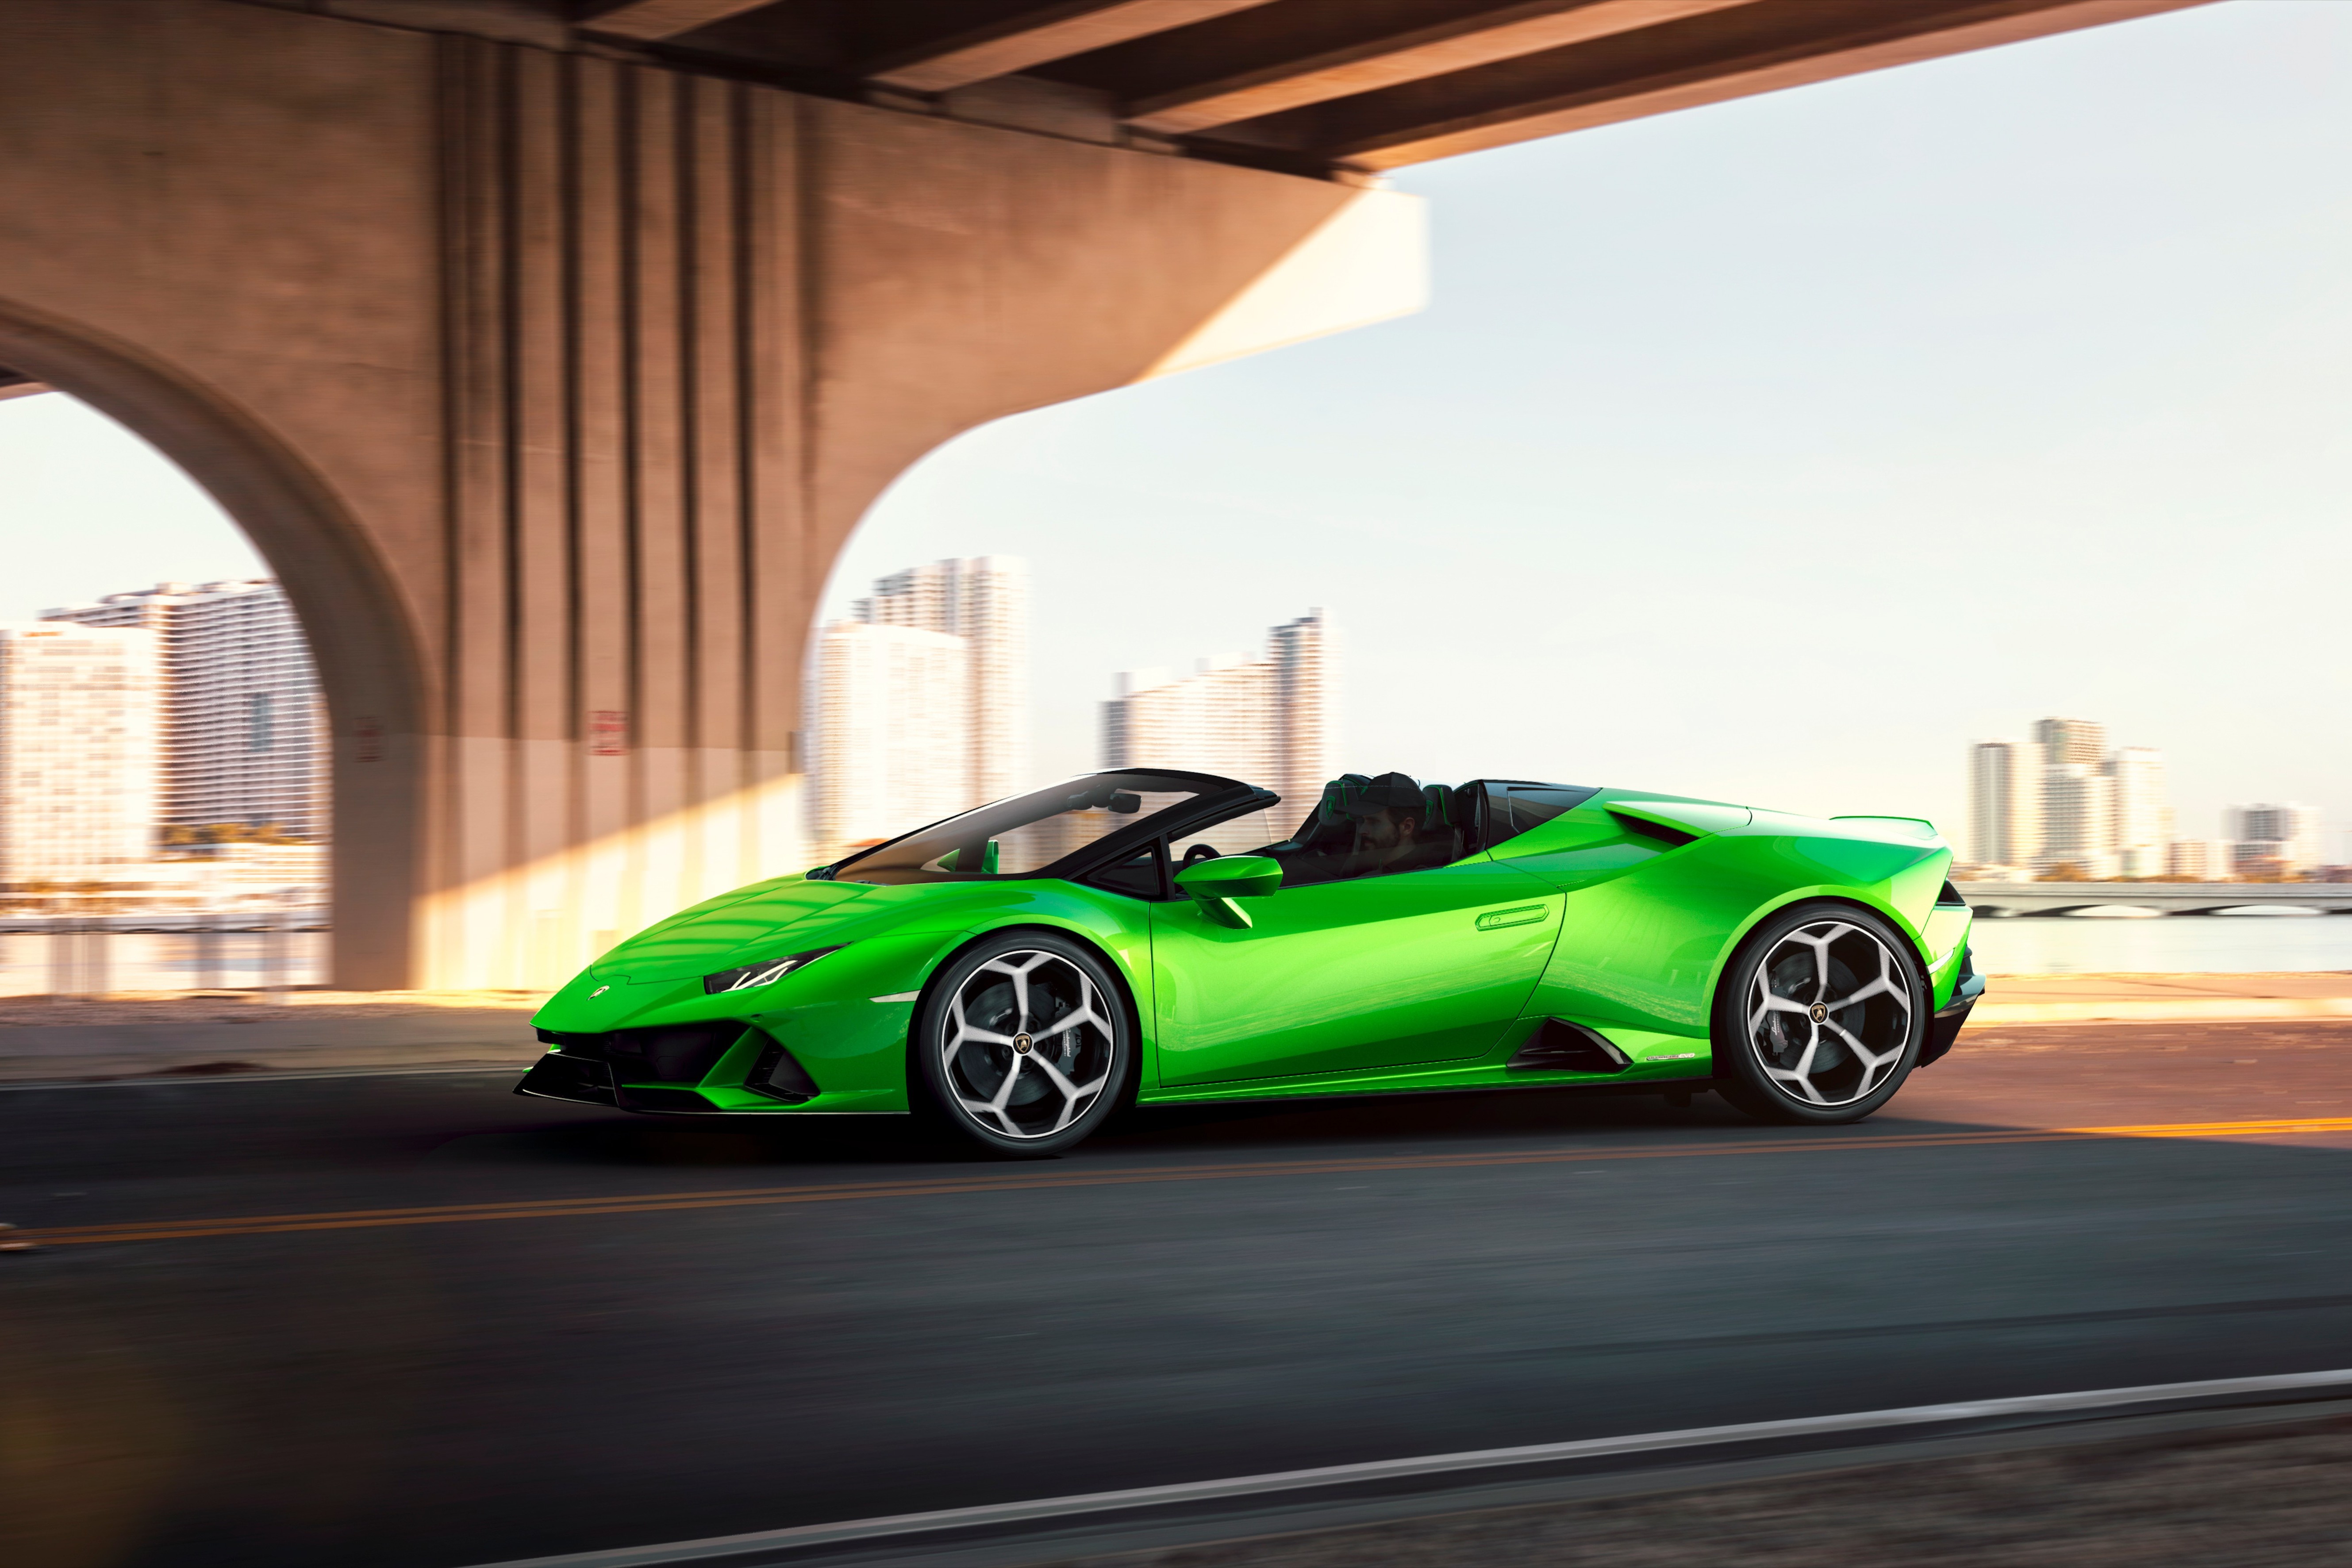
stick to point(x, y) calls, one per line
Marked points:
point(1021, 971)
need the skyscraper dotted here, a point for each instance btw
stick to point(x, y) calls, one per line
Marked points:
point(2070, 741)
point(2271, 838)
point(1306, 707)
point(1271, 722)
point(889, 733)
point(80, 722)
point(245, 732)
point(2005, 804)
point(2197, 860)
point(986, 600)
point(2142, 820)
point(2078, 818)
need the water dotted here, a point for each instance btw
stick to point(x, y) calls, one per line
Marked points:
point(2235, 944)
point(41, 963)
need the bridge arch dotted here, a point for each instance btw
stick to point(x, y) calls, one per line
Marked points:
point(361, 639)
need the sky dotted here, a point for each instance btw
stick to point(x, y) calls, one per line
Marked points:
point(1771, 451)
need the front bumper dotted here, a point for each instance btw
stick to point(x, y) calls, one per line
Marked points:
point(691, 1070)
point(1945, 1027)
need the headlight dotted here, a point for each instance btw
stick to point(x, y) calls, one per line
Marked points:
point(767, 971)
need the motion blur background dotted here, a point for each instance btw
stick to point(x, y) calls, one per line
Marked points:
point(1795, 441)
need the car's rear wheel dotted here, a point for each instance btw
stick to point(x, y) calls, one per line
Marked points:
point(1820, 1016)
point(1021, 1044)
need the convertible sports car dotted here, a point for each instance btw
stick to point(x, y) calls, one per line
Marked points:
point(1022, 971)
point(1149, 937)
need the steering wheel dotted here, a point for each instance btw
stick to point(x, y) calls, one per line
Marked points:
point(1199, 852)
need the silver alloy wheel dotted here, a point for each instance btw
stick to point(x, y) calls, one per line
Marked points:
point(1830, 1012)
point(1027, 1045)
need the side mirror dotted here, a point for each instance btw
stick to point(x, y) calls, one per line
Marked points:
point(1215, 884)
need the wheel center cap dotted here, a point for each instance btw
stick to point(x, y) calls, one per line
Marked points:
point(1818, 1012)
point(1020, 1043)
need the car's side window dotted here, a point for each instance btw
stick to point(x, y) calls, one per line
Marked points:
point(1142, 875)
point(1234, 835)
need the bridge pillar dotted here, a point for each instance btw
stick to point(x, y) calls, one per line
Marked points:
point(551, 384)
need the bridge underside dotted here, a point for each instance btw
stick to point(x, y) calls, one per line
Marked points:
point(1312, 85)
point(549, 351)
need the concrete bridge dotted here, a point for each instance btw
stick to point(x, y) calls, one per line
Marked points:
point(549, 351)
point(2170, 898)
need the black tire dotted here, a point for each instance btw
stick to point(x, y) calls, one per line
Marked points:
point(1836, 1025)
point(1063, 1068)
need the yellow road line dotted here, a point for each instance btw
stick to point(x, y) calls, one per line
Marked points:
point(2220, 1129)
point(1004, 1182)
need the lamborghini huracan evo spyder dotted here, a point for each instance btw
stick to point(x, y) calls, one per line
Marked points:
point(1022, 971)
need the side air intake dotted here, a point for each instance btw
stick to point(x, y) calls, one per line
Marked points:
point(779, 1077)
point(1656, 832)
point(1562, 1046)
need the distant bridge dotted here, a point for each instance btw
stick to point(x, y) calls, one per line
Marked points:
point(2166, 898)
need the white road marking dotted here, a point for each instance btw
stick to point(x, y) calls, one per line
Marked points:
point(856, 1530)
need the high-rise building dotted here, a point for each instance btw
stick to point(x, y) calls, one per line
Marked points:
point(2272, 838)
point(889, 731)
point(2005, 804)
point(2198, 860)
point(2142, 820)
point(1271, 720)
point(245, 728)
point(986, 600)
point(2078, 819)
point(2070, 741)
point(1305, 706)
point(80, 731)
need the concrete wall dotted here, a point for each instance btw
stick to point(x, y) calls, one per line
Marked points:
point(552, 385)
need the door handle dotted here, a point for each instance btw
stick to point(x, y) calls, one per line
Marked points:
point(1527, 914)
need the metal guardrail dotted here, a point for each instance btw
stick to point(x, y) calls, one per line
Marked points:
point(2167, 898)
point(81, 958)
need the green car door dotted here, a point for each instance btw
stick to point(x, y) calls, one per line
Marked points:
point(1350, 976)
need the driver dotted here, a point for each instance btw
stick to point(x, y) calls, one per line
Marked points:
point(1389, 816)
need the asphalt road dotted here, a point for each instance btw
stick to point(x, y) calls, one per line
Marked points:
point(510, 1326)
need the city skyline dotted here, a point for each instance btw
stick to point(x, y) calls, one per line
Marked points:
point(163, 747)
point(1270, 721)
point(917, 702)
point(245, 728)
point(2066, 804)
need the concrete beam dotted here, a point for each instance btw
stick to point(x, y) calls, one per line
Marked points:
point(1760, 47)
point(1033, 38)
point(650, 21)
point(1374, 63)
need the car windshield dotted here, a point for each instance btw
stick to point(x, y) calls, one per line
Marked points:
point(1024, 834)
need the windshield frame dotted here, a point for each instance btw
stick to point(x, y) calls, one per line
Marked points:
point(1218, 795)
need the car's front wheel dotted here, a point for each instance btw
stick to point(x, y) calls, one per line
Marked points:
point(1021, 1044)
point(1820, 1016)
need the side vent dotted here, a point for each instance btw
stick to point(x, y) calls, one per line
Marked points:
point(779, 1077)
point(1950, 897)
point(1672, 838)
point(1562, 1046)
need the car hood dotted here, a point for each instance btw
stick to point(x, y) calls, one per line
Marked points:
point(699, 941)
